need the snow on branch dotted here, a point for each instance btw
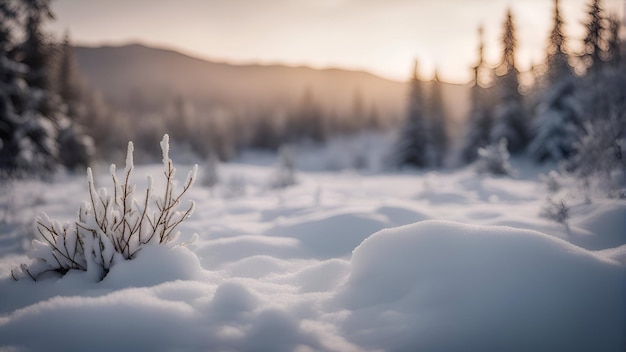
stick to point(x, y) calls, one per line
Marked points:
point(111, 227)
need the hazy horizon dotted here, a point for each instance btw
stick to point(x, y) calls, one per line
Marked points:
point(380, 37)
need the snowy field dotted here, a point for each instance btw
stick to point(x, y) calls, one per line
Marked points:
point(342, 261)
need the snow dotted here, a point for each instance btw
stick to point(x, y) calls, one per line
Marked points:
point(341, 261)
point(492, 288)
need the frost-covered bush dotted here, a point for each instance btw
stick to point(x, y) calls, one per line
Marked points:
point(111, 226)
point(600, 156)
point(555, 210)
point(494, 159)
point(285, 174)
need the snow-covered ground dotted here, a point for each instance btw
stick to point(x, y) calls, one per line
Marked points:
point(342, 261)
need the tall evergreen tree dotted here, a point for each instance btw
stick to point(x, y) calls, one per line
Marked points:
point(308, 121)
point(557, 66)
point(558, 122)
point(558, 116)
point(509, 113)
point(414, 144)
point(480, 119)
point(614, 42)
point(27, 132)
point(438, 125)
point(33, 50)
point(68, 81)
point(595, 28)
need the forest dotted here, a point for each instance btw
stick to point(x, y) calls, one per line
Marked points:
point(63, 123)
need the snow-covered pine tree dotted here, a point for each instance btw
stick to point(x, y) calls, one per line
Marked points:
point(511, 120)
point(414, 146)
point(480, 119)
point(34, 50)
point(27, 130)
point(438, 123)
point(559, 113)
point(558, 122)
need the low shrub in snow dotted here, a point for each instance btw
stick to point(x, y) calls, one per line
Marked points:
point(600, 157)
point(556, 210)
point(285, 174)
point(111, 227)
point(494, 159)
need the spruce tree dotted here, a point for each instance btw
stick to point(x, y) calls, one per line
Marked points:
point(480, 120)
point(34, 49)
point(509, 113)
point(613, 53)
point(593, 40)
point(414, 143)
point(558, 122)
point(557, 66)
point(437, 117)
point(68, 81)
point(27, 130)
point(559, 113)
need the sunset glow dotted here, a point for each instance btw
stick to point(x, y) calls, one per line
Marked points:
point(379, 36)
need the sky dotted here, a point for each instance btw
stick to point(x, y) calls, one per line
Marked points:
point(383, 37)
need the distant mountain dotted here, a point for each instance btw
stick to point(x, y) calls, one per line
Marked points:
point(126, 74)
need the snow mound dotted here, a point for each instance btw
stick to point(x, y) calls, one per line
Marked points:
point(445, 286)
point(334, 235)
point(155, 264)
point(602, 227)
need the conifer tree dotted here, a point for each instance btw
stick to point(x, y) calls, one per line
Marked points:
point(480, 118)
point(27, 130)
point(559, 113)
point(414, 144)
point(437, 117)
point(613, 55)
point(33, 50)
point(595, 28)
point(557, 66)
point(69, 88)
point(509, 113)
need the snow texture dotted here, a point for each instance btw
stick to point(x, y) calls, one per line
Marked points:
point(343, 261)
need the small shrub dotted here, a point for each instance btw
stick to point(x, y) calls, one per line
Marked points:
point(110, 227)
point(285, 174)
point(494, 159)
point(556, 211)
point(600, 158)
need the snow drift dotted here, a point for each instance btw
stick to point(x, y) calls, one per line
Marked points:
point(444, 286)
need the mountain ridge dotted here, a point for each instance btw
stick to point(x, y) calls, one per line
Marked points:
point(137, 74)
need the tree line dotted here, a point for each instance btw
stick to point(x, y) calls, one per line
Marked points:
point(573, 95)
point(50, 118)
